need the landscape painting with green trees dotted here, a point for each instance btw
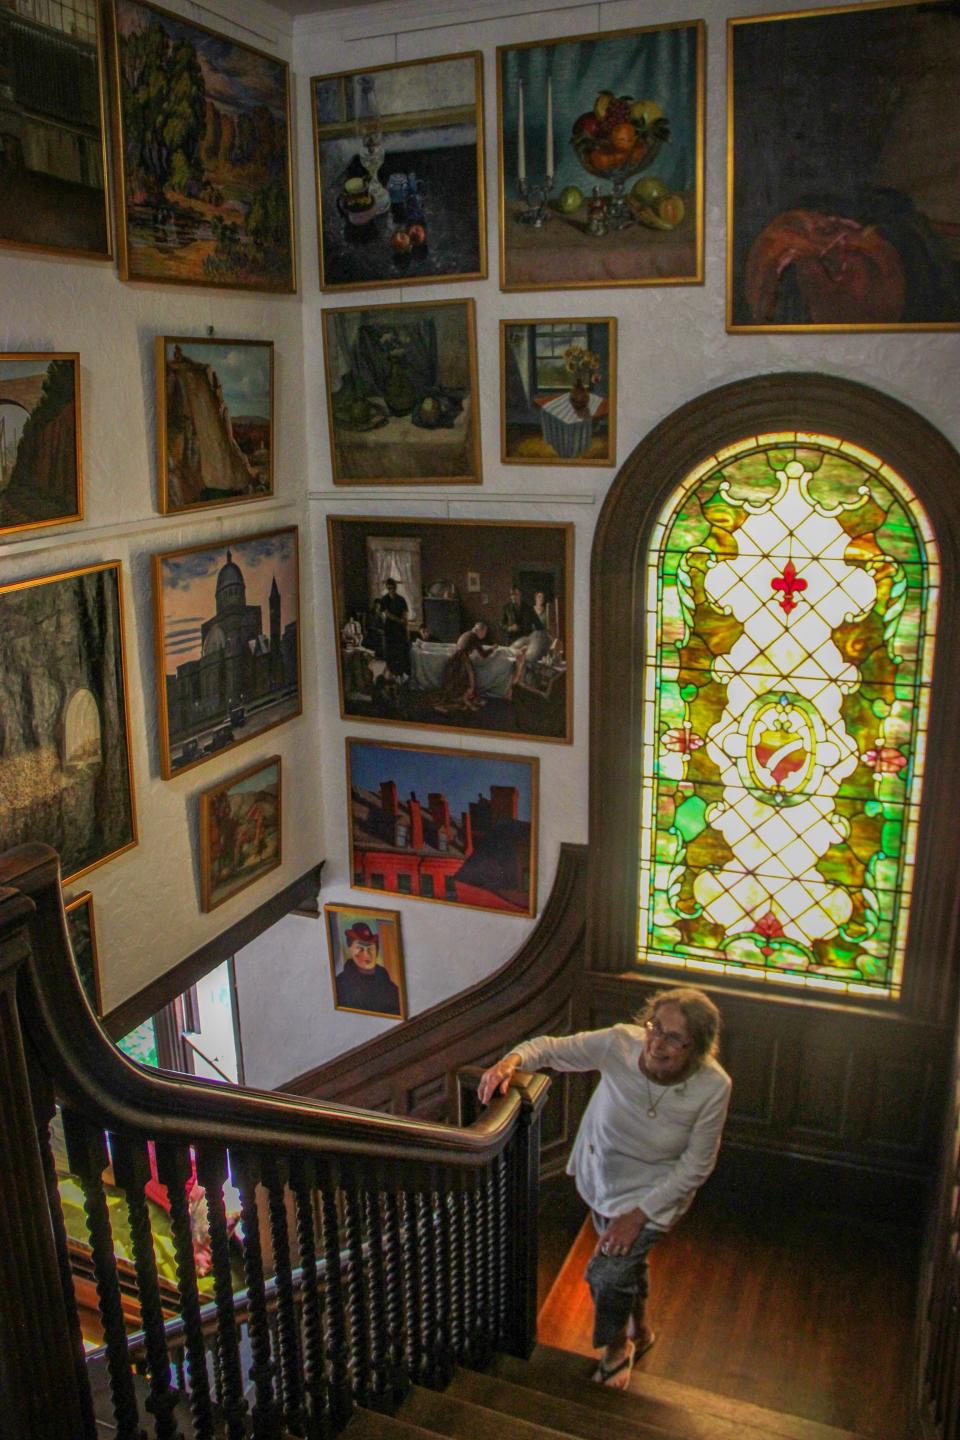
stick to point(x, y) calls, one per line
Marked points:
point(203, 136)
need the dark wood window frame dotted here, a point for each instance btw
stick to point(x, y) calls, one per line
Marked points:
point(930, 465)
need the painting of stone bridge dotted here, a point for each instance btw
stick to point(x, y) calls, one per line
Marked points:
point(40, 465)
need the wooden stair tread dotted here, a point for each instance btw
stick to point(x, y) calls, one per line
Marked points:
point(443, 1413)
point(372, 1425)
point(570, 1417)
point(658, 1402)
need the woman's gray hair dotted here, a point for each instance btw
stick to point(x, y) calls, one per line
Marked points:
point(699, 1011)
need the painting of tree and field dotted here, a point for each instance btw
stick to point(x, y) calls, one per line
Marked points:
point(203, 134)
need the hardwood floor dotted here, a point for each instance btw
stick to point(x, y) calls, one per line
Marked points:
point(790, 1308)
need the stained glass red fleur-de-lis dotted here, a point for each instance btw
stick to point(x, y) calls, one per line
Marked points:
point(791, 584)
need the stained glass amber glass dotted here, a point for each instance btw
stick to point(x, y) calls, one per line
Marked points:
point(791, 603)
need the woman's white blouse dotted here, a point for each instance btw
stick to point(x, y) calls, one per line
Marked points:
point(622, 1157)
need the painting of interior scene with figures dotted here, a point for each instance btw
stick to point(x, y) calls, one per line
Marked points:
point(458, 624)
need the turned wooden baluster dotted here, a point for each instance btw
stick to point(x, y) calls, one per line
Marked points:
point(468, 1250)
point(455, 1264)
point(303, 1182)
point(291, 1374)
point(444, 1283)
point(482, 1346)
point(501, 1243)
point(44, 1110)
point(356, 1297)
point(428, 1313)
point(87, 1156)
point(175, 1172)
point(212, 1174)
point(393, 1294)
point(413, 1353)
point(265, 1411)
point(131, 1167)
point(380, 1396)
point(335, 1325)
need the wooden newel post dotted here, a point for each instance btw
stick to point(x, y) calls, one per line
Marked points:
point(38, 1374)
point(523, 1159)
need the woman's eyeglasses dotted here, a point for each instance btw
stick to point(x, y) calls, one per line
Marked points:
point(670, 1038)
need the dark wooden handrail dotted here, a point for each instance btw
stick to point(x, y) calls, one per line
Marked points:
point(114, 1091)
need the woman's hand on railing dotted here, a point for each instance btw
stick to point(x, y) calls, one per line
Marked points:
point(497, 1079)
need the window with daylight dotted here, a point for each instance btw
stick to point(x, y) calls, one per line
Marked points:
point(791, 592)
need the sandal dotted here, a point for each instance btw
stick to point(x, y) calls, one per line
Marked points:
point(643, 1346)
point(606, 1374)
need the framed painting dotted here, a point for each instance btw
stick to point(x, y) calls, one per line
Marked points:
point(215, 442)
point(41, 458)
point(455, 624)
point(203, 158)
point(601, 159)
point(458, 827)
point(227, 644)
point(240, 832)
point(402, 397)
point(66, 773)
point(83, 939)
point(843, 180)
point(366, 960)
point(558, 392)
point(53, 153)
point(399, 171)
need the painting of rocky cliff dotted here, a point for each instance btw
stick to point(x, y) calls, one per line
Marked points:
point(202, 137)
point(214, 421)
point(40, 466)
point(66, 776)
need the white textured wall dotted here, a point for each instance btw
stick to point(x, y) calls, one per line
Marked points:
point(146, 902)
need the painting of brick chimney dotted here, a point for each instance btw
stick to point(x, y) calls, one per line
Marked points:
point(454, 826)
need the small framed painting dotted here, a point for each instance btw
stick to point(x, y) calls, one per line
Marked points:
point(53, 152)
point(558, 392)
point(83, 940)
point(601, 159)
point(202, 150)
point(366, 960)
point(399, 155)
point(402, 395)
point(41, 465)
point(240, 832)
point(843, 180)
point(457, 827)
point(215, 441)
point(65, 747)
point(227, 642)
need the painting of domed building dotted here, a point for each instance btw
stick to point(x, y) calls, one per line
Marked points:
point(228, 655)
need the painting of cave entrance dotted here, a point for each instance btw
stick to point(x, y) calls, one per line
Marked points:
point(66, 775)
point(41, 468)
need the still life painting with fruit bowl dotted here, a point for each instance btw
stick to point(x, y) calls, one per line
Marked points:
point(601, 159)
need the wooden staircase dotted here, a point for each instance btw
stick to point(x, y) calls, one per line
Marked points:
point(551, 1397)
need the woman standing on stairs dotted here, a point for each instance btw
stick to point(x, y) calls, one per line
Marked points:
point(647, 1141)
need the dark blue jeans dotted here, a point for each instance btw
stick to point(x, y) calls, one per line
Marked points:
point(617, 1282)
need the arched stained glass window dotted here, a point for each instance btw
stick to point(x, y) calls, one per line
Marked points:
point(791, 604)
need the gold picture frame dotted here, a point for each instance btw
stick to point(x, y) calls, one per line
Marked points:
point(260, 686)
point(83, 941)
point(406, 408)
point(241, 821)
point(547, 418)
point(240, 226)
point(357, 232)
point(522, 669)
point(843, 183)
point(237, 372)
point(69, 650)
point(72, 224)
point(556, 143)
point(366, 989)
point(479, 850)
point(35, 383)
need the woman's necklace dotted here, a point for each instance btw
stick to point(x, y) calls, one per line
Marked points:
point(652, 1105)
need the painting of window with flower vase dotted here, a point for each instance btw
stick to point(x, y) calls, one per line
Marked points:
point(791, 594)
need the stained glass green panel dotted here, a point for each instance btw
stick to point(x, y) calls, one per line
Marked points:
point(791, 603)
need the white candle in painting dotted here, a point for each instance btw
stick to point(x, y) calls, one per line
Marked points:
point(549, 127)
point(521, 140)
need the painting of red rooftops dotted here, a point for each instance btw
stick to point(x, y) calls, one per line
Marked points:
point(454, 826)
